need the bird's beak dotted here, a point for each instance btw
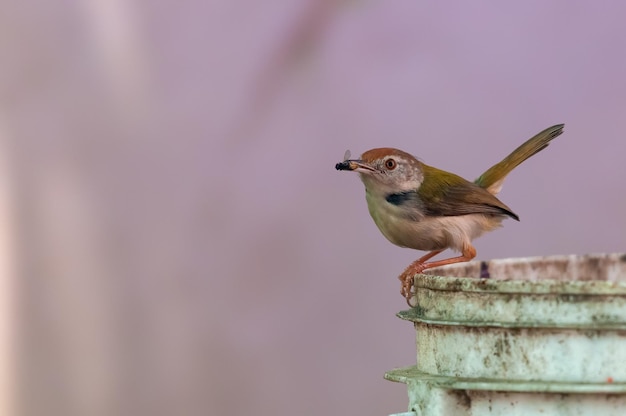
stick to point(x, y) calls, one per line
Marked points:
point(357, 165)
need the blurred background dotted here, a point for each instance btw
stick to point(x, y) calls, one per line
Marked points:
point(175, 237)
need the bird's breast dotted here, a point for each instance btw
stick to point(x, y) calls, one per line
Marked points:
point(401, 222)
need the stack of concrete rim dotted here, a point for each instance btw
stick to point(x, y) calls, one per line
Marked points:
point(544, 335)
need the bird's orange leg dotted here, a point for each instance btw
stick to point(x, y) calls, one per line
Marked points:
point(418, 266)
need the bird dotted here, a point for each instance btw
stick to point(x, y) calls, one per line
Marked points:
point(421, 207)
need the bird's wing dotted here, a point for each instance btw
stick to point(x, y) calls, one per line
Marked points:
point(446, 194)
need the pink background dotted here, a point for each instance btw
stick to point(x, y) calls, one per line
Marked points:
point(184, 243)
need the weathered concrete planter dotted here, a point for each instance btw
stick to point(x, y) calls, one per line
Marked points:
point(539, 335)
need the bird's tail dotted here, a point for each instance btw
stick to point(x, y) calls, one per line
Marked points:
point(493, 178)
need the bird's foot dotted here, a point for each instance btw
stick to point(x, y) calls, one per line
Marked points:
point(407, 280)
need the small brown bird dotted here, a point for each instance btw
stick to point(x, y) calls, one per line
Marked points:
point(418, 206)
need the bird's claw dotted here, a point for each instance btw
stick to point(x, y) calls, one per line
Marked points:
point(407, 288)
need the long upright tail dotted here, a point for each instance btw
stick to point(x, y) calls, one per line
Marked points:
point(493, 178)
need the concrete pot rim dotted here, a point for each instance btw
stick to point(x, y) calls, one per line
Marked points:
point(586, 275)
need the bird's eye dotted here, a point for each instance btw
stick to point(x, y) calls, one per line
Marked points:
point(390, 164)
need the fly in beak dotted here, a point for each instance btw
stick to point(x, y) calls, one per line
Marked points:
point(357, 165)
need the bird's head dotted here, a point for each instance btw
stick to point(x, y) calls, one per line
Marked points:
point(386, 170)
